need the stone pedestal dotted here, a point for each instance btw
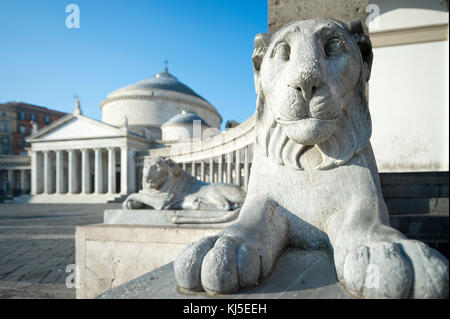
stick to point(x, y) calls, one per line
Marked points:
point(110, 255)
point(298, 274)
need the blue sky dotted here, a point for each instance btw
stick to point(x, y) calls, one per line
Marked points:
point(208, 44)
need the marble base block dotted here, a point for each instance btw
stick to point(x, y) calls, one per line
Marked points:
point(110, 255)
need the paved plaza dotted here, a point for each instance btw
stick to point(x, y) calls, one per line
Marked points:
point(37, 243)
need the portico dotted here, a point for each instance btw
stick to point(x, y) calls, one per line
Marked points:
point(79, 159)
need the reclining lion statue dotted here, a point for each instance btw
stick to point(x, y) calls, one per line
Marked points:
point(314, 180)
point(167, 186)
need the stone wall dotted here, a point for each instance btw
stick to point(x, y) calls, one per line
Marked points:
point(285, 11)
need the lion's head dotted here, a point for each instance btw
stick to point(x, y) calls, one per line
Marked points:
point(156, 171)
point(310, 77)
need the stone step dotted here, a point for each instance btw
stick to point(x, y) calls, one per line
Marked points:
point(433, 230)
point(405, 206)
point(415, 190)
point(422, 227)
point(411, 178)
point(65, 199)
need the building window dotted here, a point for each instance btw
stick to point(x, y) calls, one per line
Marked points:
point(22, 129)
point(4, 114)
point(5, 141)
point(5, 127)
point(47, 120)
point(33, 117)
point(22, 116)
point(22, 142)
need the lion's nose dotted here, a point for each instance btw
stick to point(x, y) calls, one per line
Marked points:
point(307, 82)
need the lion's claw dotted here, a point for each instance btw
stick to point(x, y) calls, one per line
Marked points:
point(217, 265)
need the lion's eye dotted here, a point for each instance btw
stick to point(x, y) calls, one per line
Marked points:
point(334, 46)
point(282, 51)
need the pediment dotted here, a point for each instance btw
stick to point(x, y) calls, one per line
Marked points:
point(76, 127)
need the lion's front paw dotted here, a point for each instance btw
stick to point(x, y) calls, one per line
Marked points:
point(218, 264)
point(408, 269)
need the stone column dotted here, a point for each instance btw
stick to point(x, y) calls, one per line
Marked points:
point(23, 180)
point(72, 183)
point(11, 182)
point(85, 172)
point(127, 171)
point(237, 168)
point(34, 168)
point(47, 173)
point(98, 171)
point(220, 170)
point(202, 170)
point(124, 171)
point(229, 158)
point(211, 170)
point(131, 171)
point(59, 172)
point(111, 170)
point(246, 168)
point(193, 170)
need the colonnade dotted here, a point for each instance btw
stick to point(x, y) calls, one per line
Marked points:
point(231, 168)
point(83, 171)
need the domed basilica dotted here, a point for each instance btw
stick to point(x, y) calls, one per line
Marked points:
point(81, 159)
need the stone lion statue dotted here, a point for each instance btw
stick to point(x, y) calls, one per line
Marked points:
point(314, 180)
point(166, 186)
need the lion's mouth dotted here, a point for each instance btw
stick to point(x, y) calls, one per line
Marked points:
point(308, 130)
point(303, 119)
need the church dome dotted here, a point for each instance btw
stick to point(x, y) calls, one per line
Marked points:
point(162, 81)
point(182, 127)
point(150, 103)
point(186, 118)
